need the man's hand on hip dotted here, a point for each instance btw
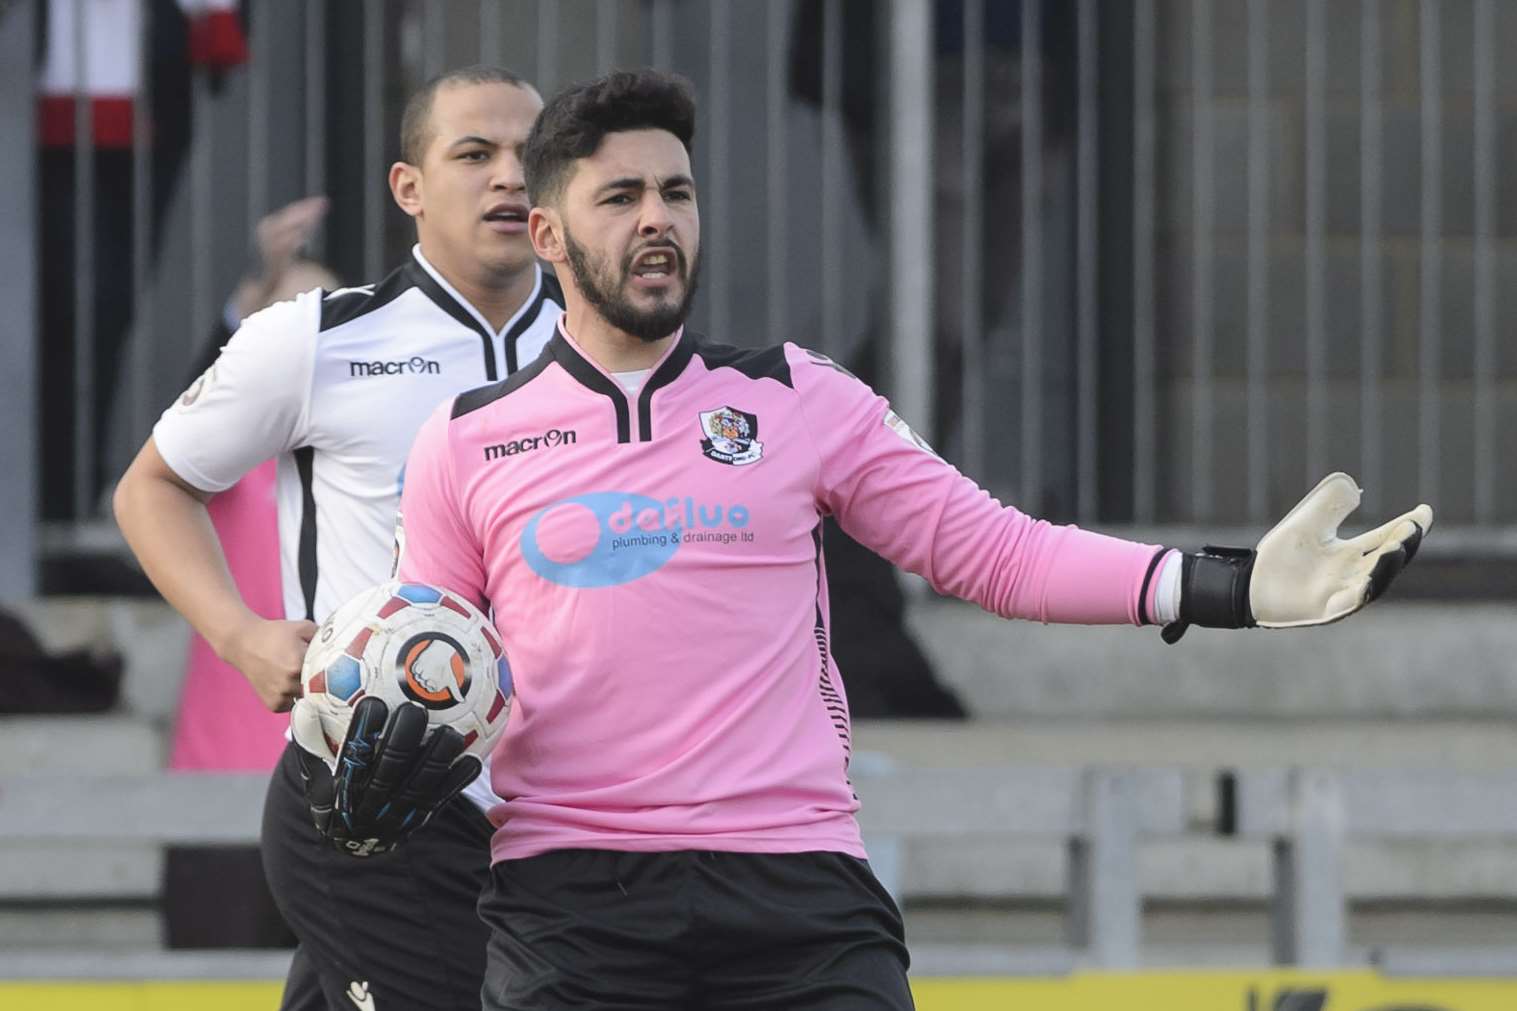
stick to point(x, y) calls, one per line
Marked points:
point(269, 655)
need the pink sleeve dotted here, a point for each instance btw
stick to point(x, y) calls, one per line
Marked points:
point(893, 494)
point(433, 543)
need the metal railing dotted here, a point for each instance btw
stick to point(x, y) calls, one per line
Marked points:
point(1126, 263)
point(1101, 816)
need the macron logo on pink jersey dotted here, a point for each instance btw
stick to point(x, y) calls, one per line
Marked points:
point(552, 437)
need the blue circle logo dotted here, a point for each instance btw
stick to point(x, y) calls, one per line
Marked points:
point(601, 539)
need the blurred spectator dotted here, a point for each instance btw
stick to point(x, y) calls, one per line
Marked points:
point(181, 37)
point(221, 725)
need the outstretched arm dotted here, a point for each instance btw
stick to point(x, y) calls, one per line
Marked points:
point(894, 495)
point(1300, 573)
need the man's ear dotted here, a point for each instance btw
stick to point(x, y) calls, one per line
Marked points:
point(405, 187)
point(546, 229)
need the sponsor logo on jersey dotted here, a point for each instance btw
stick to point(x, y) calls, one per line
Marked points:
point(358, 993)
point(730, 436)
point(415, 365)
point(612, 537)
point(552, 437)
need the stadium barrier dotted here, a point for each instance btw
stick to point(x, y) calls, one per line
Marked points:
point(1310, 814)
point(1102, 814)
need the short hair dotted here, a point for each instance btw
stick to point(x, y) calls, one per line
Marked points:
point(574, 123)
point(416, 121)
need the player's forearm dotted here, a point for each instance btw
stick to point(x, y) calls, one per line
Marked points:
point(171, 534)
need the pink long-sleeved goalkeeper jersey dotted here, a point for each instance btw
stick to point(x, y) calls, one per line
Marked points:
point(654, 567)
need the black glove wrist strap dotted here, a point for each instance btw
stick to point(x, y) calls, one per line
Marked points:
point(1214, 591)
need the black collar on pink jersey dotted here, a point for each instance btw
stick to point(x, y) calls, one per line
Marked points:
point(592, 378)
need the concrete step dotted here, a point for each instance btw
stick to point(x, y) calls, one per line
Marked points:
point(117, 743)
point(80, 930)
point(1203, 869)
point(79, 871)
point(232, 964)
point(1391, 661)
point(1475, 743)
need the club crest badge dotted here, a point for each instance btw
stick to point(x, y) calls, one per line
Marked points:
point(730, 436)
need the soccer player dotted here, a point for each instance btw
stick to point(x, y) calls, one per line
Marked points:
point(335, 385)
point(677, 827)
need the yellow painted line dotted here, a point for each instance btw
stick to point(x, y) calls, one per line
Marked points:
point(1214, 991)
point(141, 996)
point(1138, 991)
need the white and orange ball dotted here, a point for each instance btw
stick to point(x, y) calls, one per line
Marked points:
point(410, 642)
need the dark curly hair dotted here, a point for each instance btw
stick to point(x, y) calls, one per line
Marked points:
point(575, 122)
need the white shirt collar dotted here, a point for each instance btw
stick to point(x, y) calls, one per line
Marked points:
point(537, 284)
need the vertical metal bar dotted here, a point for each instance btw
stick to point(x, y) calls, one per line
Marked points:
point(1486, 460)
point(143, 324)
point(1032, 256)
point(1145, 394)
point(547, 46)
point(1258, 262)
point(1316, 264)
point(84, 270)
point(258, 112)
point(1105, 904)
point(831, 171)
point(663, 32)
point(202, 197)
point(489, 32)
point(434, 40)
point(1310, 913)
point(971, 224)
point(605, 36)
point(719, 42)
point(316, 115)
point(19, 267)
point(911, 273)
point(1086, 245)
point(1372, 291)
point(777, 36)
point(1203, 165)
point(373, 139)
point(1430, 344)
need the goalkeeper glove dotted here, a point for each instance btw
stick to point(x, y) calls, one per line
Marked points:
point(388, 778)
point(1300, 573)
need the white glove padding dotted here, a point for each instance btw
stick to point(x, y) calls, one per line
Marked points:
point(1304, 575)
point(1301, 573)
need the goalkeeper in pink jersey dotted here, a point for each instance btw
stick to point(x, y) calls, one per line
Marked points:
point(641, 508)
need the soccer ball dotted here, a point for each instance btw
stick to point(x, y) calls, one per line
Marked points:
point(410, 642)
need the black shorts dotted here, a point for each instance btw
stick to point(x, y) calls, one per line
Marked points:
point(598, 930)
point(403, 928)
